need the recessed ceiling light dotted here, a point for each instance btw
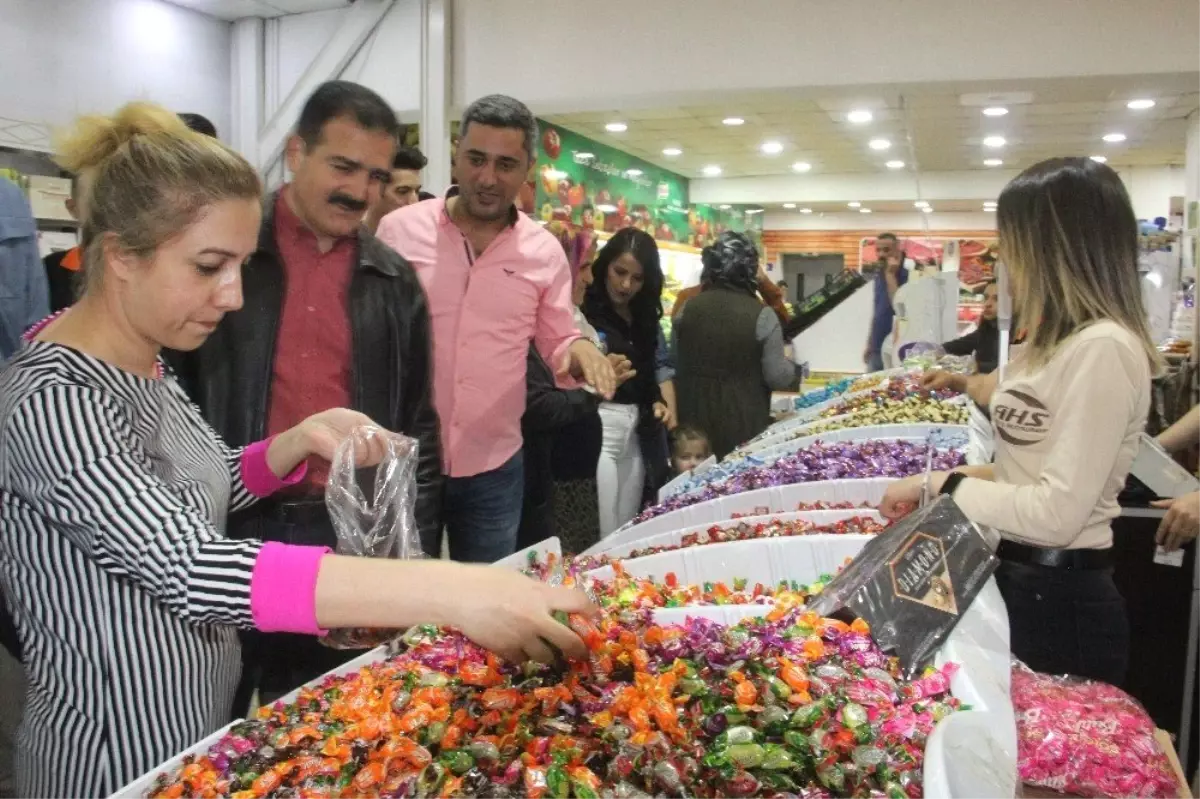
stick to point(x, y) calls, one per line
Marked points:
point(733, 121)
point(801, 166)
point(606, 208)
point(995, 111)
point(633, 173)
point(1139, 105)
point(806, 210)
point(927, 210)
point(860, 116)
point(672, 151)
point(772, 147)
point(864, 210)
point(584, 157)
point(994, 141)
point(616, 127)
point(754, 210)
point(725, 207)
point(895, 165)
point(992, 162)
point(1100, 159)
point(789, 205)
point(879, 144)
point(989, 202)
point(921, 204)
point(712, 171)
point(854, 205)
point(1114, 138)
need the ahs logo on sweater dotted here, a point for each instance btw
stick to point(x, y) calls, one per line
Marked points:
point(1021, 418)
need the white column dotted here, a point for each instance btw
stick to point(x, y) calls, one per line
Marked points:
point(1191, 190)
point(436, 52)
point(246, 97)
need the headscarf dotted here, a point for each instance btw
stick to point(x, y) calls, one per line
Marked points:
point(731, 262)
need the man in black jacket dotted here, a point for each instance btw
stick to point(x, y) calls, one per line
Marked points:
point(331, 317)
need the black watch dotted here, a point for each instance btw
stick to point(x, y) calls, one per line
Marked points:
point(952, 483)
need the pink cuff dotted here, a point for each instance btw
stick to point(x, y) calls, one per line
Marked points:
point(283, 588)
point(257, 475)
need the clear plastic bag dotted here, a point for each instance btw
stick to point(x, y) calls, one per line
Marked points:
point(372, 510)
point(913, 582)
point(1086, 738)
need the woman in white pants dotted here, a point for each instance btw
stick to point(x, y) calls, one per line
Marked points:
point(624, 304)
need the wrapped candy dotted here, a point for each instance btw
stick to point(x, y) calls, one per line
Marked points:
point(1086, 738)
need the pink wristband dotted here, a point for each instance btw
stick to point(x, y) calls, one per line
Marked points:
point(283, 588)
point(257, 475)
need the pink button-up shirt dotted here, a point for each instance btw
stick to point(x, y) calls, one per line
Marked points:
point(485, 309)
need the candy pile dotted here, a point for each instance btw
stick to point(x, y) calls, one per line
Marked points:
point(626, 592)
point(836, 388)
point(908, 411)
point(836, 461)
point(796, 704)
point(743, 531)
point(1086, 739)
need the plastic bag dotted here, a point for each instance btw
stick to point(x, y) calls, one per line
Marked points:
point(913, 582)
point(372, 511)
point(1086, 738)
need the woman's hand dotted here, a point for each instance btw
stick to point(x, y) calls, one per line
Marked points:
point(510, 614)
point(937, 380)
point(1181, 523)
point(623, 369)
point(663, 414)
point(903, 496)
point(584, 361)
point(320, 435)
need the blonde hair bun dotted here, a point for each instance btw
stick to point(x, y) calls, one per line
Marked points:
point(95, 138)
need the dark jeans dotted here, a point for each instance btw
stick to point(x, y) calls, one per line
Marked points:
point(482, 512)
point(1066, 621)
point(275, 663)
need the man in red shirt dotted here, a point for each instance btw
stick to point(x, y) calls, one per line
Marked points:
point(331, 318)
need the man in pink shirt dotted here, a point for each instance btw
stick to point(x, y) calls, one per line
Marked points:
point(495, 281)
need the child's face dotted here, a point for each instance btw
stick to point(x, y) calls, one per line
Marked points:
point(688, 455)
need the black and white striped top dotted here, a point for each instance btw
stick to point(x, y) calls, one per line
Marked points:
point(125, 592)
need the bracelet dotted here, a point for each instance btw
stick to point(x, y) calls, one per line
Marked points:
point(952, 483)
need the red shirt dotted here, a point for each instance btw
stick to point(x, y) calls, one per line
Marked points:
point(313, 350)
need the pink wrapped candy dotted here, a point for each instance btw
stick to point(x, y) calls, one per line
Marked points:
point(1086, 738)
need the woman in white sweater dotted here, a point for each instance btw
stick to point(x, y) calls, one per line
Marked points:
point(1066, 417)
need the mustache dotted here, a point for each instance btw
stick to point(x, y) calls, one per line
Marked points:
point(347, 202)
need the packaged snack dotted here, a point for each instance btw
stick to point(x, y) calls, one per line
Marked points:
point(1086, 738)
point(372, 510)
point(913, 582)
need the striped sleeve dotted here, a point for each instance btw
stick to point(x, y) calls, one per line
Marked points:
point(74, 454)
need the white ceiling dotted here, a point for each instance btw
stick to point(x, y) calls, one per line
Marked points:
point(237, 9)
point(939, 127)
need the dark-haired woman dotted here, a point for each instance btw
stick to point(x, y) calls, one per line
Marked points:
point(624, 304)
point(1067, 417)
point(729, 350)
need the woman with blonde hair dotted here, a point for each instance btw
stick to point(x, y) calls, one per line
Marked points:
point(114, 491)
point(1067, 417)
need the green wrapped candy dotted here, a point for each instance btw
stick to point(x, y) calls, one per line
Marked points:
point(557, 782)
point(746, 755)
point(777, 758)
point(738, 735)
point(458, 761)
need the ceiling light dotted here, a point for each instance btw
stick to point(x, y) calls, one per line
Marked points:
point(854, 205)
point(733, 121)
point(864, 210)
point(806, 210)
point(860, 116)
point(633, 173)
point(712, 170)
point(895, 165)
point(606, 208)
point(1139, 105)
point(992, 162)
point(994, 141)
point(801, 166)
point(555, 174)
point(789, 205)
point(995, 111)
point(616, 127)
point(754, 210)
point(580, 157)
point(921, 204)
point(672, 151)
point(1100, 159)
point(772, 147)
point(990, 202)
point(879, 144)
point(725, 207)
point(927, 210)
point(1114, 138)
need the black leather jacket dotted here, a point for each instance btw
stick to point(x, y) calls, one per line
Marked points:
point(229, 377)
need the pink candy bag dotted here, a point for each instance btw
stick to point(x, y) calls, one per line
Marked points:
point(1086, 738)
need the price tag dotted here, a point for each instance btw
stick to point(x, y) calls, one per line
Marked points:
point(1165, 558)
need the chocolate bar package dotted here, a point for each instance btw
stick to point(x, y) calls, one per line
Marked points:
point(914, 582)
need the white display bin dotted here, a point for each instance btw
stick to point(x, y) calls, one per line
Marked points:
point(777, 499)
point(674, 537)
